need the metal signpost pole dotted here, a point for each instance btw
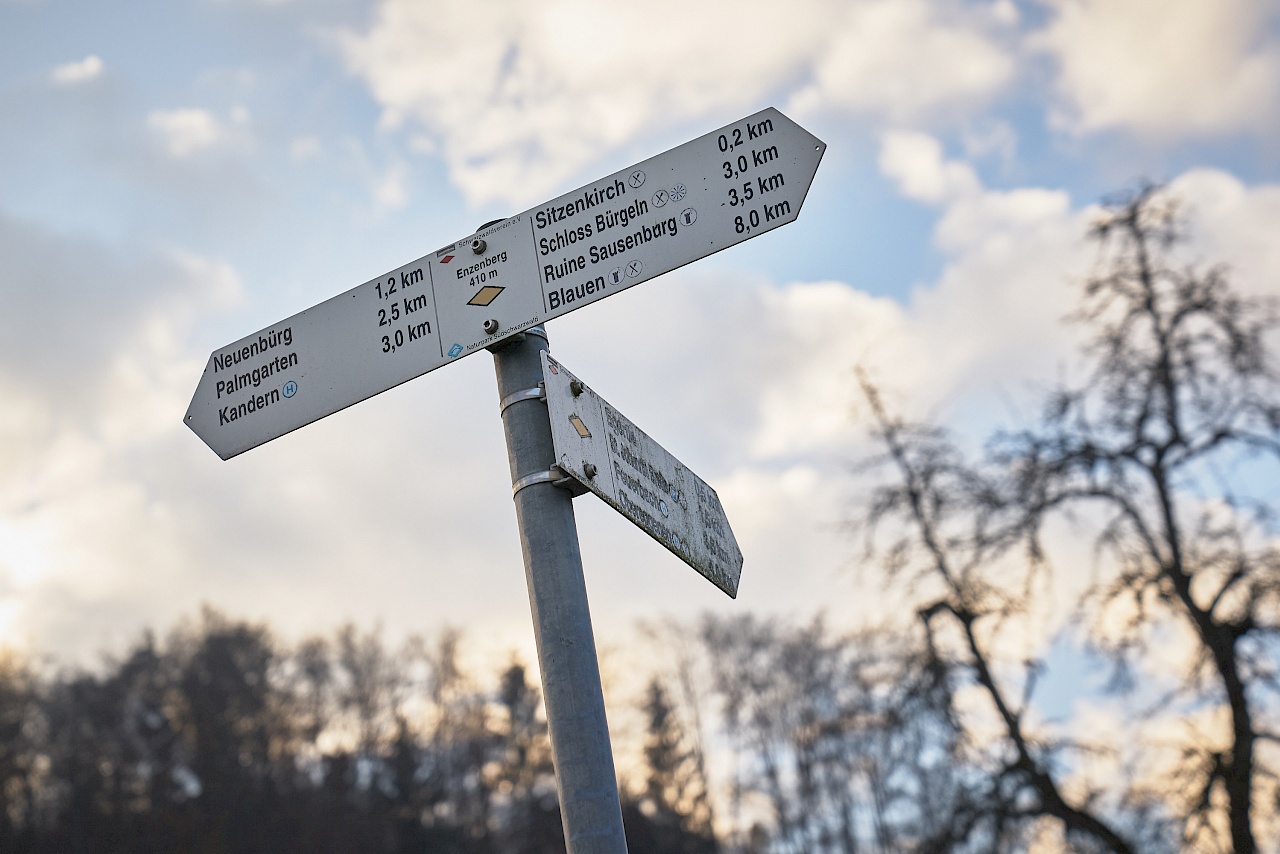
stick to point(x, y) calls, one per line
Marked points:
point(580, 747)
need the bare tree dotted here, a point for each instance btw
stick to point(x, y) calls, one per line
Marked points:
point(841, 741)
point(951, 537)
point(1166, 437)
point(1169, 448)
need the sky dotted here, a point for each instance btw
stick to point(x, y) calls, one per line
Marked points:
point(175, 176)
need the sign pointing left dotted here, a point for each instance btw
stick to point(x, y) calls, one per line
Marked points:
point(712, 192)
point(319, 361)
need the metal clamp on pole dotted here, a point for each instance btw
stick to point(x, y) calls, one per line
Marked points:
point(539, 393)
point(554, 476)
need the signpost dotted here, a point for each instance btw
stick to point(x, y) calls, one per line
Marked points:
point(494, 290)
point(720, 189)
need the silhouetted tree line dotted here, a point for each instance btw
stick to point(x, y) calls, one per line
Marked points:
point(222, 740)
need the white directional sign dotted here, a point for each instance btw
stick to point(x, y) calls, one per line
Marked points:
point(698, 198)
point(636, 476)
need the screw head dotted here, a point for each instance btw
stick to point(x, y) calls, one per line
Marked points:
point(589, 469)
point(576, 387)
point(478, 246)
point(490, 326)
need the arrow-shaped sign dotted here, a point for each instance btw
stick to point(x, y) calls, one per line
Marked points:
point(639, 478)
point(698, 198)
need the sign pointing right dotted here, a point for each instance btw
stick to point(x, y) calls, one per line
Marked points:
point(612, 457)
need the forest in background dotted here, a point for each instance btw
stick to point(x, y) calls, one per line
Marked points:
point(766, 736)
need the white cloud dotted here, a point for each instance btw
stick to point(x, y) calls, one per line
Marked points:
point(1013, 258)
point(186, 131)
point(392, 190)
point(305, 149)
point(1233, 224)
point(94, 374)
point(905, 59)
point(78, 72)
point(520, 97)
point(1014, 214)
point(991, 138)
point(385, 174)
point(53, 307)
point(914, 162)
point(1165, 68)
point(971, 214)
point(821, 331)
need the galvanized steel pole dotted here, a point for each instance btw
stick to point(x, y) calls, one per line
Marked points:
point(585, 777)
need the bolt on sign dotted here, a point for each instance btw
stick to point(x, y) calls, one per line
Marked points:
point(720, 189)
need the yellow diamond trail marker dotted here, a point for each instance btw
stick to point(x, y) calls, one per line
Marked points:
point(720, 189)
point(485, 295)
